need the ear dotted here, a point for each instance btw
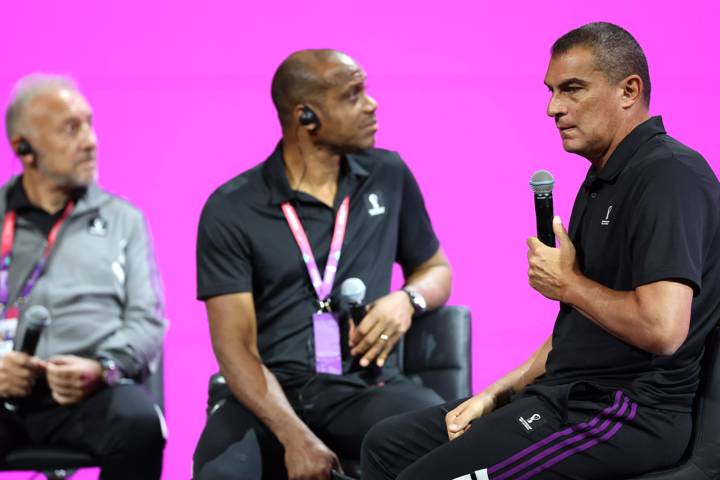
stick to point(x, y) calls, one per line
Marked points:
point(26, 158)
point(632, 90)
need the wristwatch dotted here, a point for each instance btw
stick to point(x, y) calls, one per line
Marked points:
point(416, 300)
point(110, 372)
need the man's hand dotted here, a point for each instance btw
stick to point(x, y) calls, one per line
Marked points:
point(458, 421)
point(386, 322)
point(551, 270)
point(17, 374)
point(307, 458)
point(72, 378)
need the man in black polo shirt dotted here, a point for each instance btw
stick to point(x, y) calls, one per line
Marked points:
point(304, 384)
point(609, 395)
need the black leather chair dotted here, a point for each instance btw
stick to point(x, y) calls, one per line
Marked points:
point(435, 353)
point(702, 459)
point(58, 463)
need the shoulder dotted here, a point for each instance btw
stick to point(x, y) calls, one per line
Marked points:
point(115, 206)
point(382, 161)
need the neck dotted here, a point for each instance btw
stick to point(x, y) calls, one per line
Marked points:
point(601, 160)
point(312, 170)
point(43, 193)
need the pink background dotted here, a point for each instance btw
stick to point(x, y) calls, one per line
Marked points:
point(181, 95)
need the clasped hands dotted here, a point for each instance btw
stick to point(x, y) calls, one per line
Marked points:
point(69, 377)
point(386, 321)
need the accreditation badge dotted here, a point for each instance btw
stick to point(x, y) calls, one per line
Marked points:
point(8, 329)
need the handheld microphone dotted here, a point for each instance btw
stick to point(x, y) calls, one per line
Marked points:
point(542, 183)
point(36, 318)
point(353, 291)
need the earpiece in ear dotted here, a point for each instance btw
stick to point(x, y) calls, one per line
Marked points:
point(24, 148)
point(308, 117)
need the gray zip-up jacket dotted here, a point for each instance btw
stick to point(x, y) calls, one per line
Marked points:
point(100, 285)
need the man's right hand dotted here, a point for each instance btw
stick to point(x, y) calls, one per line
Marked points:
point(460, 419)
point(307, 458)
point(17, 374)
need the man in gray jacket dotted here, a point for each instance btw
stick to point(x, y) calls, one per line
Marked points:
point(85, 256)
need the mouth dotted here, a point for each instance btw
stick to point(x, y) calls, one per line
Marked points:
point(372, 126)
point(565, 129)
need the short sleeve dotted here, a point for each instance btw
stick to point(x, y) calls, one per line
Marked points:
point(223, 254)
point(668, 229)
point(417, 240)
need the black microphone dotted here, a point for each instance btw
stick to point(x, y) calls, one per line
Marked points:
point(353, 291)
point(36, 319)
point(542, 183)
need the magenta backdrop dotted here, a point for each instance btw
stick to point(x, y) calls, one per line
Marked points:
point(181, 95)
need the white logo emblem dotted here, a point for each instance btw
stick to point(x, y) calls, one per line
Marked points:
point(606, 220)
point(98, 227)
point(527, 421)
point(376, 208)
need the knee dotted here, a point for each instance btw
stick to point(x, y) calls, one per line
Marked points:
point(377, 444)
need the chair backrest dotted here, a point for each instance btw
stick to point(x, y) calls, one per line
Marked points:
point(702, 461)
point(436, 351)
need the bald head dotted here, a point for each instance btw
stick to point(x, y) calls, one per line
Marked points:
point(305, 77)
point(25, 91)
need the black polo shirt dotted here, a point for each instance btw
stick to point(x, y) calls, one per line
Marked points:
point(650, 214)
point(245, 245)
point(18, 201)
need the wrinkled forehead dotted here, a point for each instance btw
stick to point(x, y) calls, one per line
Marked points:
point(58, 103)
point(341, 70)
point(578, 62)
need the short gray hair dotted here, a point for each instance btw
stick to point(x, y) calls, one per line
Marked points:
point(617, 53)
point(25, 90)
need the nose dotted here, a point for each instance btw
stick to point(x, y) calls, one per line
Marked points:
point(90, 142)
point(371, 104)
point(555, 106)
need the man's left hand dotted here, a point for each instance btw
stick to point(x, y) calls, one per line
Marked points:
point(72, 378)
point(551, 270)
point(387, 320)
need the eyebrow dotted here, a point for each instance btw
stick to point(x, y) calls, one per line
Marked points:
point(570, 81)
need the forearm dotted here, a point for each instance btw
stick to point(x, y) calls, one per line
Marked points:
point(522, 376)
point(646, 320)
point(432, 280)
point(257, 389)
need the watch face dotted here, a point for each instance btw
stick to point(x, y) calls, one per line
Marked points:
point(420, 301)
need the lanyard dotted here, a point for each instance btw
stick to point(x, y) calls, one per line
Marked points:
point(8, 236)
point(323, 286)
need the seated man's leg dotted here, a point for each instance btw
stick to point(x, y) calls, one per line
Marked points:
point(343, 424)
point(235, 445)
point(120, 426)
point(528, 439)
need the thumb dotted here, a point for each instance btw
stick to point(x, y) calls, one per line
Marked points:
point(560, 232)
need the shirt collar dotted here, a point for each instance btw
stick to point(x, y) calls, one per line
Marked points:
point(18, 200)
point(276, 179)
point(628, 146)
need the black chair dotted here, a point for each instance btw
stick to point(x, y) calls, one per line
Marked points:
point(58, 463)
point(702, 459)
point(435, 353)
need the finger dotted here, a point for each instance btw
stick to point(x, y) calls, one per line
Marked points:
point(385, 351)
point(366, 326)
point(38, 364)
point(560, 232)
point(62, 359)
point(369, 339)
point(374, 351)
point(351, 333)
point(534, 243)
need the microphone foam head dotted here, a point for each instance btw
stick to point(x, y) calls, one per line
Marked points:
point(37, 317)
point(353, 290)
point(542, 181)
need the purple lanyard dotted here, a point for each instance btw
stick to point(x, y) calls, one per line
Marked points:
point(323, 286)
point(8, 236)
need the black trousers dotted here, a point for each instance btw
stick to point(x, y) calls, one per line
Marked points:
point(596, 437)
point(120, 426)
point(235, 445)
